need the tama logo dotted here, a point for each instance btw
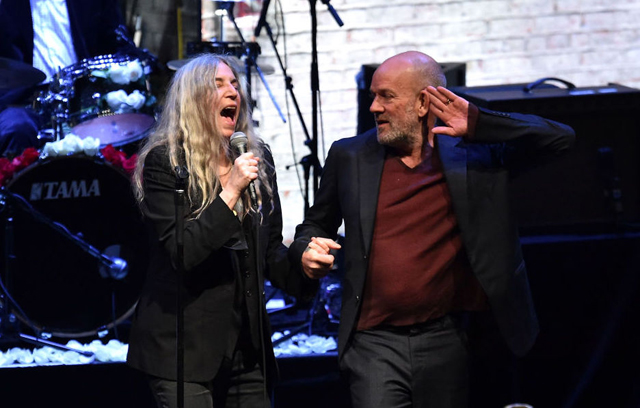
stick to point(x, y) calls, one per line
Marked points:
point(54, 190)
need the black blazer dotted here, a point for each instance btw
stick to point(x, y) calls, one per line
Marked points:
point(220, 278)
point(477, 174)
point(93, 24)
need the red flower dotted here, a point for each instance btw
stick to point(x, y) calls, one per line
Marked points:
point(112, 155)
point(8, 167)
point(31, 154)
point(129, 164)
point(118, 158)
point(27, 157)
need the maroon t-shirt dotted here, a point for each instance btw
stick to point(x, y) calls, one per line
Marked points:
point(418, 269)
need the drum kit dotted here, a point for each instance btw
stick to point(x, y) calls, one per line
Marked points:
point(106, 97)
point(74, 248)
point(74, 251)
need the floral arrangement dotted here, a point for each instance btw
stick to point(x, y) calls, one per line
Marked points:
point(70, 145)
point(121, 101)
point(121, 74)
point(8, 166)
point(119, 158)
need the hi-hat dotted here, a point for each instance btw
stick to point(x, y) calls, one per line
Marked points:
point(16, 74)
point(175, 65)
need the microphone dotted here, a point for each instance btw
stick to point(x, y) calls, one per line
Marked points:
point(263, 18)
point(113, 267)
point(239, 142)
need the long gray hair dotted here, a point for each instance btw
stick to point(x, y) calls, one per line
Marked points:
point(190, 132)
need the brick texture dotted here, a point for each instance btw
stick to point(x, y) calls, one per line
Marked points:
point(586, 42)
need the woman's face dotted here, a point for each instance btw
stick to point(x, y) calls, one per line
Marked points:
point(228, 106)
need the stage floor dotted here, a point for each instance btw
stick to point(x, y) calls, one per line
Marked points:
point(309, 381)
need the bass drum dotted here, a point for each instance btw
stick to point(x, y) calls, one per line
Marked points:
point(57, 285)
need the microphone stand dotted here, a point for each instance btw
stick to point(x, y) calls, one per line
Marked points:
point(7, 319)
point(181, 184)
point(312, 160)
point(112, 267)
point(250, 61)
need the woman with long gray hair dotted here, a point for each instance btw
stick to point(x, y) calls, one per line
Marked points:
point(230, 244)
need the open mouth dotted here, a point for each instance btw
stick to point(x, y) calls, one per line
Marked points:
point(229, 113)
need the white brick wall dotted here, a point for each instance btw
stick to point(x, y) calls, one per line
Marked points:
point(586, 42)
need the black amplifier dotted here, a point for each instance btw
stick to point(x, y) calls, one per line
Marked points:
point(597, 185)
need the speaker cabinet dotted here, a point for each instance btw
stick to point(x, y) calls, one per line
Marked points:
point(596, 186)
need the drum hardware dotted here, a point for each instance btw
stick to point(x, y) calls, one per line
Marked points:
point(76, 100)
point(250, 57)
point(235, 49)
point(73, 291)
point(16, 74)
point(224, 8)
point(9, 327)
point(112, 267)
point(323, 316)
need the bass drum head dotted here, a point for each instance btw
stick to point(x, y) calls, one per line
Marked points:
point(58, 286)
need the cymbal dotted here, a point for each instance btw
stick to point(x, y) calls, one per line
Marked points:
point(175, 65)
point(16, 74)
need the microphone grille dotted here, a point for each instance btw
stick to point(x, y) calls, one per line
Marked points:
point(238, 139)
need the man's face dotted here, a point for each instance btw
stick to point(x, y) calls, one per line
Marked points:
point(395, 104)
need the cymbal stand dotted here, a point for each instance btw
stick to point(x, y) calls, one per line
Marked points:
point(9, 329)
point(310, 161)
point(223, 10)
point(250, 61)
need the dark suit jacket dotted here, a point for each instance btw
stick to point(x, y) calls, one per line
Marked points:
point(93, 24)
point(477, 174)
point(221, 280)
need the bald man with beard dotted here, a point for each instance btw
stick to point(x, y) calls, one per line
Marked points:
point(430, 240)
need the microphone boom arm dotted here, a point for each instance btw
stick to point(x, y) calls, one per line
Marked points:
point(117, 267)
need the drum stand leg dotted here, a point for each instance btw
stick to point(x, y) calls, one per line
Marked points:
point(9, 323)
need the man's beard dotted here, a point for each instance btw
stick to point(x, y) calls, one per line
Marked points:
point(394, 138)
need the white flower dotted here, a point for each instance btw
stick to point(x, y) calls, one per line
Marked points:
point(136, 99)
point(120, 102)
point(90, 146)
point(135, 70)
point(124, 74)
point(72, 144)
point(115, 99)
point(118, 74)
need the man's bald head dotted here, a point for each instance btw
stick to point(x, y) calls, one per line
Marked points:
point(424, 69)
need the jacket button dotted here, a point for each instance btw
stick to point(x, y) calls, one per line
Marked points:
point(357, 299)
point(247, 274)
point(248, 293)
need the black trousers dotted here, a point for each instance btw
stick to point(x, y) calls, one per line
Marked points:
point(420, 366)
point(240, 383)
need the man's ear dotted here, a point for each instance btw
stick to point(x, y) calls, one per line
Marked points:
point(423, 103)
